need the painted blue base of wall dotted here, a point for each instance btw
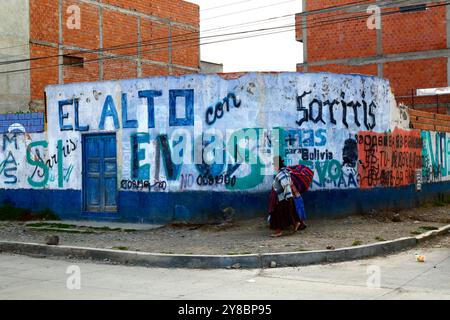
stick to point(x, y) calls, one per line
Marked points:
point(65, 203)
point(164, 207)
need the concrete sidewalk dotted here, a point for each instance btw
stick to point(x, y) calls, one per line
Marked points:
point(265, 260)
point(401, 277)
point(231, 238)
point(243, 244)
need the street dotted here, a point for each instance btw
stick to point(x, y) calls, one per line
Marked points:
point(397, 276)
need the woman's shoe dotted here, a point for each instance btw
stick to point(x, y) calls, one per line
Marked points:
point(278, 233)
point(297, 226)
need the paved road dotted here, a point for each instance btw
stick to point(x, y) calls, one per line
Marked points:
point(401, 278)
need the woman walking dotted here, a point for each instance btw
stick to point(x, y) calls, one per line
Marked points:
point(282, 210)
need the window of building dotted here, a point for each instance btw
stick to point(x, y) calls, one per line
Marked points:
point(73, 61)
point(415, 7)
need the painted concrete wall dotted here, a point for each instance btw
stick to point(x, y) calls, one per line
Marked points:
point(285, 113)
point(435, 156)
point(14, 45)
point(190, 146)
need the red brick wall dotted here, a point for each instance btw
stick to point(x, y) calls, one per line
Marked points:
point(154, 70)
point(298, 28)
point(154, 41)
point(174, 10)
point(319, 4)
point(407, 75)
point(44, 20)
point(40, 77)
point(89, 22)
point(180, 72)
point(89, 72)
point(401, 33)
point(414, 31)
point(337, 40)
point(115, 69)
point(370, 69)
point(119, 28)
point(184, 47)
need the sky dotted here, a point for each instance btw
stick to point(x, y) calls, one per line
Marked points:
point(275, 52)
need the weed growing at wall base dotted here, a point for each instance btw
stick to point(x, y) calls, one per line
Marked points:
point(8, 212)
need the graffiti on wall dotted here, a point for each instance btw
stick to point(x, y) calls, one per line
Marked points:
point(435, 156)
point(27, 162)
point(328, 152)
point(360, 113)
point(389, 159)
point(205, 133)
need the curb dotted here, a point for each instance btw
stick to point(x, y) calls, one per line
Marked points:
point(250, 261)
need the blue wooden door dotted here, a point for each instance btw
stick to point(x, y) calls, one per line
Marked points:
point(100, 173)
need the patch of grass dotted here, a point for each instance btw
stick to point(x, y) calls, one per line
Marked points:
point(51, 225)
point(238, 253)
point(425, 205)
point(105, 228)
point(46, 214)
point(123, 248)
point(423, 229)
point(61, 230)
point(439, 203)
point(10, 213)
point(428, 228)
point(379, 238)
point(56, 226)
point(357, 243)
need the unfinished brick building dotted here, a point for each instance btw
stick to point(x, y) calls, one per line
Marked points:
point(91, 40)
point(411, 47)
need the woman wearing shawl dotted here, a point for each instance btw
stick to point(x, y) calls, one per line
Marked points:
point(282, 212)
point(286, 206)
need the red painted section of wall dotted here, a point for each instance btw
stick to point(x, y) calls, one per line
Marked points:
point(388, 159)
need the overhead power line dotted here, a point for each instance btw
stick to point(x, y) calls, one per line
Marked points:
point(262, 32)
point(195, 39)
point(209, 30)
point(144, 43)
point(347, 5)
point(226, 5)
point(251, 9)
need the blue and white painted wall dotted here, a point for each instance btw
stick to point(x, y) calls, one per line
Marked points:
point(183, 148)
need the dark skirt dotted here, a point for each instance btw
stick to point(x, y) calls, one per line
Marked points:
point(284, 215)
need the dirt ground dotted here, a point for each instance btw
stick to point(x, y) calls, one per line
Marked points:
point(250, 236)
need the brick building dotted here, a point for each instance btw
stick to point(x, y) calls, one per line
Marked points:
point(160, 37)
point(411, 47)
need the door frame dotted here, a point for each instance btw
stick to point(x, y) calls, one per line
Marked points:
point(84, 211)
